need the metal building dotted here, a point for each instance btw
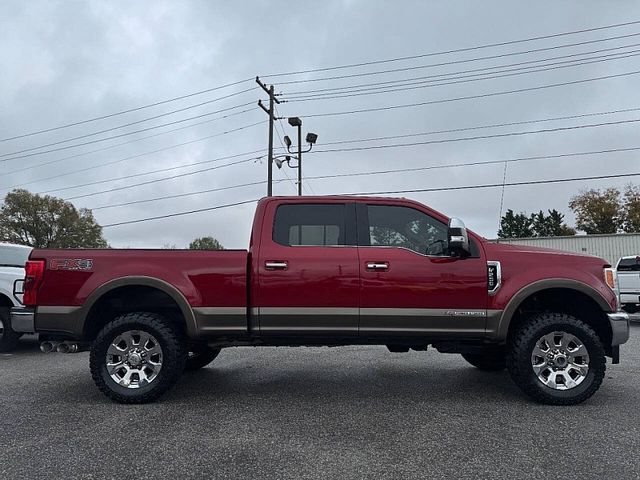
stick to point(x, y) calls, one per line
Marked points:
point(610, 247)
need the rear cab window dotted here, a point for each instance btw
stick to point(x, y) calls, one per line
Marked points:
point(314, 224)
point(631, 264)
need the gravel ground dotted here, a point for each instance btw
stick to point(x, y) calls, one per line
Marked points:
point(351, 412)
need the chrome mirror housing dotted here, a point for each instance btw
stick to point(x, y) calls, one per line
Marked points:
point(458, 238)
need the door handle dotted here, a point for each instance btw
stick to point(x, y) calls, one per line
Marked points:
point(378, 266)
point(275, 265)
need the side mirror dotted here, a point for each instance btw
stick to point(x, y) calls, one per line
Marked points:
point(458, 238)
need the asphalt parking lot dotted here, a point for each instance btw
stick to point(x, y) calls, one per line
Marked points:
point(351, 412)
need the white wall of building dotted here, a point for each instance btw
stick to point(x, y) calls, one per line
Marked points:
point(609, 247)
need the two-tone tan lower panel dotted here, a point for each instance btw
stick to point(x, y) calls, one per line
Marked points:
point(308, 320)
point(211, 320)
point(424, 321)
point(59, 320)
point(373, 321)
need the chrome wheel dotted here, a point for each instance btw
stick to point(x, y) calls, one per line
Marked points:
point(134, 359)
point(560, 360)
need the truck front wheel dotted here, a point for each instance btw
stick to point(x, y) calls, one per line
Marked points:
point(137, 357)
point(556, 359)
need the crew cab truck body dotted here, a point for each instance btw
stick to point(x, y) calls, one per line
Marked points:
point(331, 271)
point(12, 260)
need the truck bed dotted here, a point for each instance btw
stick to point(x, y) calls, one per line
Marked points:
point(212, 283)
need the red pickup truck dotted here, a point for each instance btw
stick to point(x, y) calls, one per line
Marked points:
point(331, 271)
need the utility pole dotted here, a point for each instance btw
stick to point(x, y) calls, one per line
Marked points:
point(272, 118)
point(300, 159)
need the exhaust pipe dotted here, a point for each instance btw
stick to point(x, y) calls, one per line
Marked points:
point(47, 347)
point(65, 347)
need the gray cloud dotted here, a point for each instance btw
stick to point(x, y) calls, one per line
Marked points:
point(66, 61)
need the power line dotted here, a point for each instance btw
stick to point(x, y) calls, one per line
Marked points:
point(470, 164)
point(113, 162)
point(454, 130)
point(372, 147)
point(178, 214)
point(181, 195)
point(456, 62)
point(419, 85)
point(125, 134)
point(452, 79)
point(470, 97)
point(481, 127)
point(163, 179)
point(348, 87)
point(456, 50)
point(479, 137)
point(382, 172)
point(496, 185)
point(557, 129)
point(103, 149)
point(127, 177)
point(180, 166)
point(129, 124)
point(122, 112)
point(422, 190)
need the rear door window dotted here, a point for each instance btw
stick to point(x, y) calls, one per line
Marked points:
point(313, 225)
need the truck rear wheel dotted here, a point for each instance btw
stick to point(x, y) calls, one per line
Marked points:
point(557, 359)
point(200, 357)
point(492, 361)
point(8, 338)
point(137, 357)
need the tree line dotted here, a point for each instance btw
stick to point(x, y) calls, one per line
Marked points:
point(596, 212)
point(43, 221)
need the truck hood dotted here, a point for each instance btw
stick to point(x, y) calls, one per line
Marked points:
point(515, 252)
point(522, 265)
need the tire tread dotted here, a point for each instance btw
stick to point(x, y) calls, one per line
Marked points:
point(519, 361)
point(174, 348)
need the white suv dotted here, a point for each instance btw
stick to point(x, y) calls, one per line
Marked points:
point(12, 260)
point(628, 269)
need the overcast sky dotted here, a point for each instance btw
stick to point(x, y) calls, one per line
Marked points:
point(64, 62)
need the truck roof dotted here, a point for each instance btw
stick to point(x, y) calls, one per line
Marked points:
point(350, 198)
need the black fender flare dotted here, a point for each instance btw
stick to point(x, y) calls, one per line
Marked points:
point(131, 281)
point(525, 292)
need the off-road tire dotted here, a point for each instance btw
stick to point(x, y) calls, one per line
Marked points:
point(200, 357)
point(8, 338)
point(493, 361)
point(174, 352)
point(521, 348)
